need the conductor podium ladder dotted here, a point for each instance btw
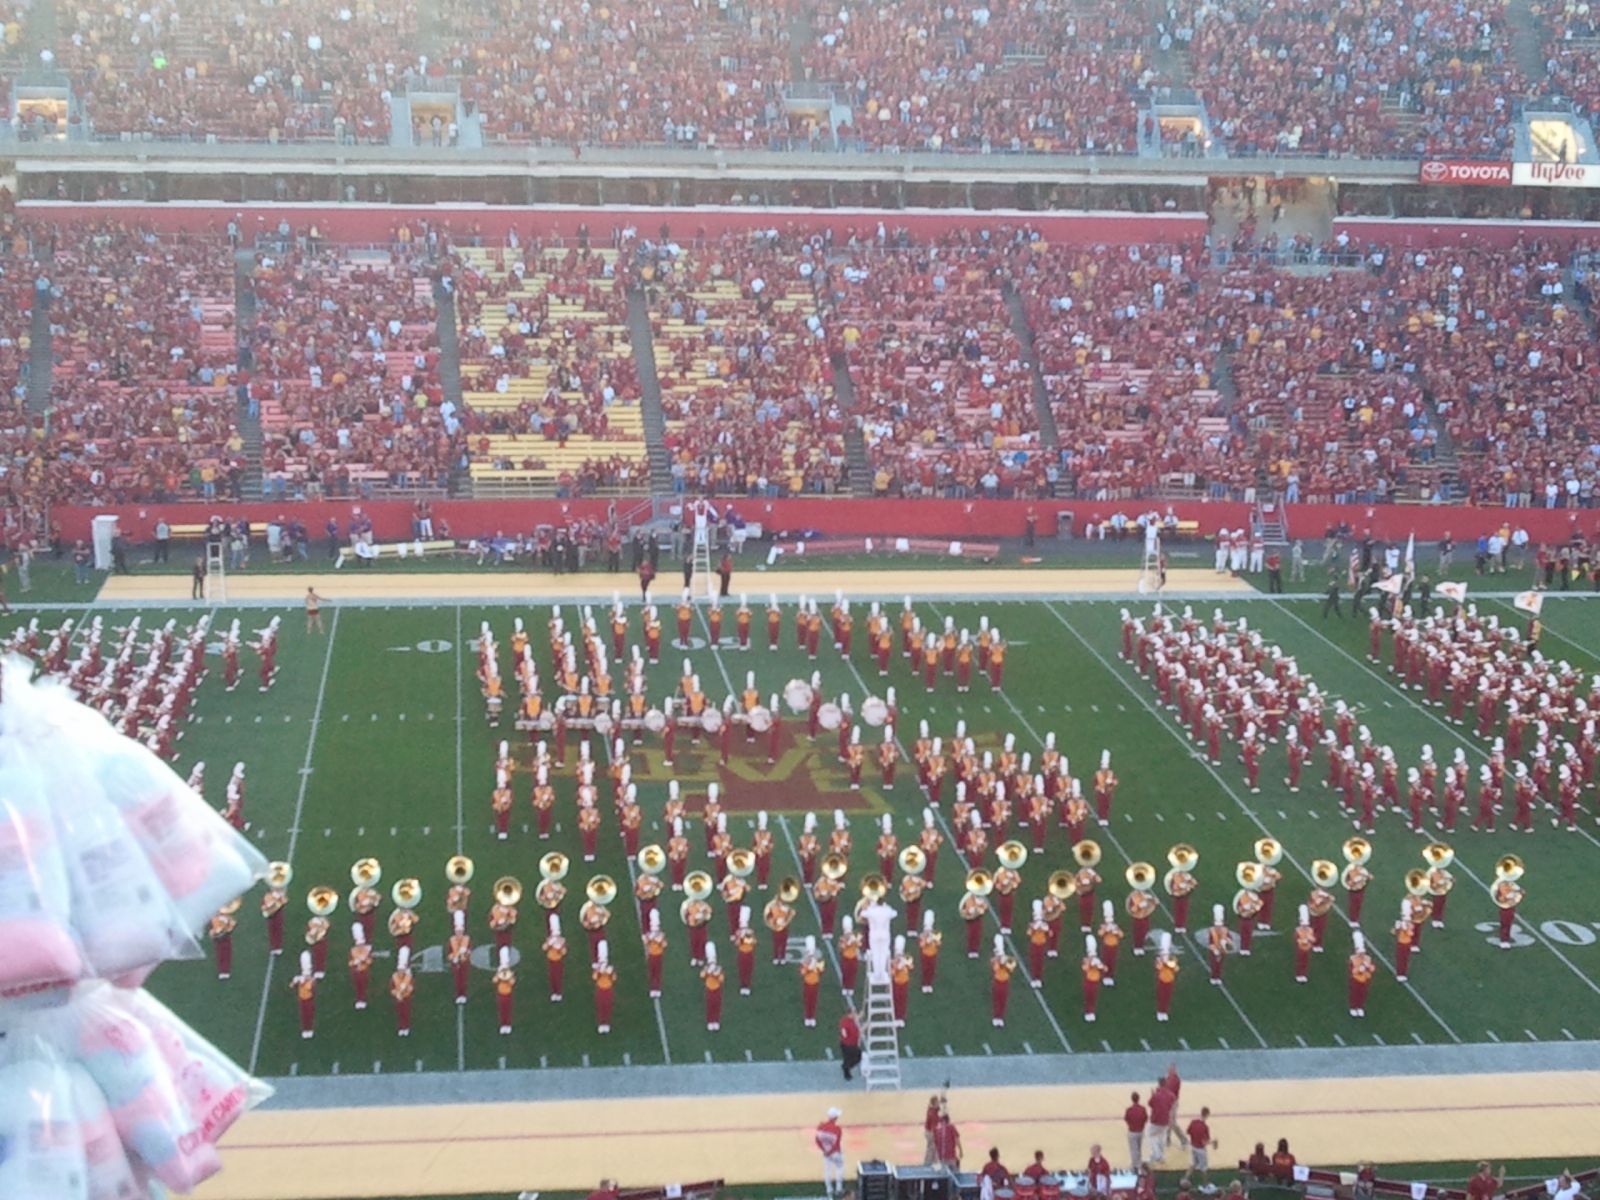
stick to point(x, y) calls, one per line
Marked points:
point(701, 527)
point(216, 572)
point(880, 1054)
point(1150, 564)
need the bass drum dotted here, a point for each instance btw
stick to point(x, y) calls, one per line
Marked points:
point(829, 715)
point(797, 695)
point(655, 720)
point(874, 711)
point(760, 718)
point(711, 720)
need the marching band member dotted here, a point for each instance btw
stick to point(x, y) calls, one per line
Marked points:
point(360, 964)
point(778, 916)
point(973, 908)
point(1007, 881)
point(761, 843)
point(305, 989)
point(500, 802)
point(402, 986)
point(1001, 968)
point(810, 982)
point(774, 623)
point(1362, 970)
point(826, 892)
point(317, 940)
point(1507, 894)
point(741, 621)
point(273, 901)
point(220, 928)
point(928, 942)
point(1094, 973)
point(1105, 789)
point(733, 891)
point(1404, 943)
point(809, 848)
point(1305, 941)
point(930, 839)
point(849, 948)
point(458, 953)
point(1218, 943)
point(678, 854)
point(711, 976)
point(744, 950)
point(555, 958)
point(900, 980)
point(505, 986)
point(655, 952)
point(1038, 932)
point(1166, 969)
point(1086, 879)
point(605, 985)
point(1110, 938)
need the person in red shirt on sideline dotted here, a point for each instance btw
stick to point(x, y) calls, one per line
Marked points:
point(1485, 1186)
point(830, 1143)
point(1098, 1171)
point(1136, 1117)
point(1201, 1143)
point(1174, 1085)
point(1036, 1170)
point(606, 1191)
point(947, 1142)
point(930, 1127)
point(850, 1042)
point(994, 1170)
point(1162, 1103)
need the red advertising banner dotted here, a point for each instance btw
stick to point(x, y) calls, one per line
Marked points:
point(1455, 172)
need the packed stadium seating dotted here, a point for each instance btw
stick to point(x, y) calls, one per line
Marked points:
point(942, 390)
point(143, 340)
point(746, 385)
point(549, 386)
point(346, 359)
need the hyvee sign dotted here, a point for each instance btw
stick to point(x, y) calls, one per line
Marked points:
point(1550, 174)
point(1447, 172)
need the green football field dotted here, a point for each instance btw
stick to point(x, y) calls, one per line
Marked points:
point(374, 742)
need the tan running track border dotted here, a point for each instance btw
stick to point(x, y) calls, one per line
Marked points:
point(486, 1148)
point(503, 585)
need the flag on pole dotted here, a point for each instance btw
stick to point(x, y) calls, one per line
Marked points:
point(1411, 556)
point(1529, 602)
point(1393, 585)
point(1452, 591)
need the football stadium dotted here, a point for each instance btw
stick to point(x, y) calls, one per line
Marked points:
point(932, 602)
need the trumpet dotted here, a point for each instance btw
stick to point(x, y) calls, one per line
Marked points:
point(1509, 868)
point(1183, 857)
point(279, 875)
point(1357, 851)
point(459, 869)
point(602, 890)
point(874, 887)
point(1248, 874)
point(913, 860)
point(1324, 872)
point(1086, 853)
point(788, 889)
point(1141, 876)
point(1269, 851)
point(697, 885)
point(366, 872)
point(652, 859)
point(322, 901)
point(741, 863)
point(1438, 855)
point(1417, 881)
point(1011, 854)
point(507, 891)
point(979, 882)
point(834, 866)
point(554, 866)
point(1062, 885)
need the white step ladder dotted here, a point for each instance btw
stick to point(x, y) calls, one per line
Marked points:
point(1150, 566)
point(216, 572)
point(880, 1058)
point(697, 515)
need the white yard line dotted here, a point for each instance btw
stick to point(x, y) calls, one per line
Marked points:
point(461, 1015)
point(633, 879)
point(1022, 968)
point(1165, 721)
point(1462, 740)
point(294, 826)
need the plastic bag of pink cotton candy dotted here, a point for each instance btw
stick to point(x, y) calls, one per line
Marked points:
point(165, 1091)
point(200, 861)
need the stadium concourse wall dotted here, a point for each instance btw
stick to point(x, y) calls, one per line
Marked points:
point(805, 516)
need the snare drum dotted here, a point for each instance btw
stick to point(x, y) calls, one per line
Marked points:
point(1027, 1190)
point(1050, 1189)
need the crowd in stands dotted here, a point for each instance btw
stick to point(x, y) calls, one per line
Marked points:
point(549, 383)
point(743, 362)
point(943, 392)
point(345, 374)
point(143, 344)
point(1382, 79)
point(240, 69)
point(1425, 80)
